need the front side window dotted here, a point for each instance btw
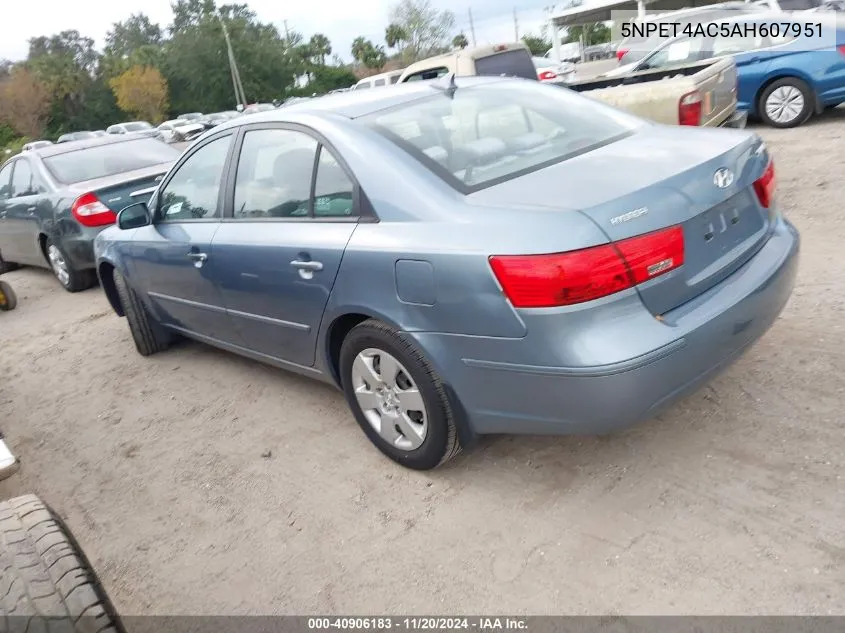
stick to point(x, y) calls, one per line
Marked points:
point(683, 50)
point(274, 174)
point(491, 133)
point(193, 191)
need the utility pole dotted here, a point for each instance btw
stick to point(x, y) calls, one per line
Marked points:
point(471, 26)
point(515, 26)
point(240, 96)
point(287, 32)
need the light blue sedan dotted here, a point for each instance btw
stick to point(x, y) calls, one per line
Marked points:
point(462, 257)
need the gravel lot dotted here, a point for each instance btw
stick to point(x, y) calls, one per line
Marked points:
point(198, 482)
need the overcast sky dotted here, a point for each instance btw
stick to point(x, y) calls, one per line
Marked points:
point(340, 20)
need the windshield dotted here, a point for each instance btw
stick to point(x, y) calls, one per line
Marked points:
point(137, 127)
point(107, 160)
point(487, 134)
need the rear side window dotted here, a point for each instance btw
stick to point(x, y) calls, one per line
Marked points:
point(6, 182)
point(394, 79)
point(379, 82)
point(487, 134)
point(22, 184)
point(107, 160)
point(274, 174)
point(515, 63)
point(363, 86)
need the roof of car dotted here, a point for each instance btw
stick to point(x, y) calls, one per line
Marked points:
point(358, 103)
point(72, 146)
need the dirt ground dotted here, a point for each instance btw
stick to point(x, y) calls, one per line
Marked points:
point(731, 502)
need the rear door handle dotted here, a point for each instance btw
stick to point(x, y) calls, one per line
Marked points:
point(309, 265)
point(198, 257)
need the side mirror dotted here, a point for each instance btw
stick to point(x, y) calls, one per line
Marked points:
point(134, 216)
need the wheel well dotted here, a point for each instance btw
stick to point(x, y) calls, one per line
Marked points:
point(106, 271)
point(337, 332)
point(42, 244)
point(817, 105)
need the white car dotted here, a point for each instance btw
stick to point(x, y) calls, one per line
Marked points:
point(177, 130)
point(548, 71)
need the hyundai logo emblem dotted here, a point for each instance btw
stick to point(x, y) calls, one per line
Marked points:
point(723, 178)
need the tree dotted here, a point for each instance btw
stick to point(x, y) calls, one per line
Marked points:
point(425, 28)
point(327, 78)
point(141, 92)
point(321, 47)
point(538, 45)
point(24, 102)
point(367, 53)
point(394, 35)
point(460, 41)
point(128, 36)
point(595, 33)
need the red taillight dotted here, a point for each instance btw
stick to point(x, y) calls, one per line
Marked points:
point(560, 279)
point(547, 75)
point(689, 109)
point(89, 211)
point(620, 53)
point(765, 185)
point(841, 49)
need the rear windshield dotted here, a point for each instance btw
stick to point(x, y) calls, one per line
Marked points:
point(515, 63)
point(107, 160)
point(487, 134)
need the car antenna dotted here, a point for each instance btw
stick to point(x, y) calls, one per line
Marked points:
point(447, 84)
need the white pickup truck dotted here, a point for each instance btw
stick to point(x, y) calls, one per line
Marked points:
point(701, 94)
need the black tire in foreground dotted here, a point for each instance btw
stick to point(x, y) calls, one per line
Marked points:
point(46, 583)
point(441, 442)
point(70, 278)
point(149, 336)
point(8, 298)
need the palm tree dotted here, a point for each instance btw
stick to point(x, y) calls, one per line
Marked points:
point(460, 41)
point(359, 47)
point(394, 34)
point(321, 47)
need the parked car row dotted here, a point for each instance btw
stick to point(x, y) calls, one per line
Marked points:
point(784, 76)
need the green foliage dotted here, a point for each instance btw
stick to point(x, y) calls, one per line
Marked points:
point(425, 30)
point(538, 45)
point(597, 33)
point(394, 35)
point(460, 41)
point(327, 78)
point(368, 54)
point(7, 135)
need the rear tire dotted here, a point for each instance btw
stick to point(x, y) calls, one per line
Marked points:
point(149, 335)
point(71, 279)
point(373, 339)
point(46, 579)
point(786, 103)
point(8, 300)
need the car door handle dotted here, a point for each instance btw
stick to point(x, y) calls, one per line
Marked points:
point(32, 209)
point(198, 257)
point(302, 265)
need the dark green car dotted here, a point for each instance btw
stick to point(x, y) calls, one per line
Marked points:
point(56, 199)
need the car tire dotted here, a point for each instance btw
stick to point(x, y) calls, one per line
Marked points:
point(8, 298)
point(149, 335)
point(71, 279)
point(45, 576)
point(785, 91)
point(421, 438)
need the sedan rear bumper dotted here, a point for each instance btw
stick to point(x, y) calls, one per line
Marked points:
point(701, 338)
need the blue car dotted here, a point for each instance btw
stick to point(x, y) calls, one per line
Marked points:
point(789, 65)
point(462, 257)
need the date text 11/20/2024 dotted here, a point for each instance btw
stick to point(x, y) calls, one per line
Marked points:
point(417, 624)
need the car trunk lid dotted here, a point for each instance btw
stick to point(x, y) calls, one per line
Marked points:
point(661, 179)
point(121, 190)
